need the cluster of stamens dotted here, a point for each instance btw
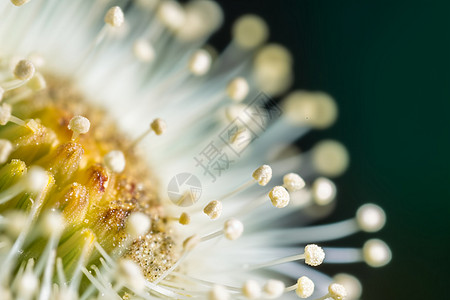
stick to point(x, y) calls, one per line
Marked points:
point(82, 217)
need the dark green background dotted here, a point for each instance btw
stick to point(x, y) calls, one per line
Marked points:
point(387, 64)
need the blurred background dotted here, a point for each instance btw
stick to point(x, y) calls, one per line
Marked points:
point(387, 64)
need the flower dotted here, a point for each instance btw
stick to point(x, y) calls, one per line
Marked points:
point(83, 215)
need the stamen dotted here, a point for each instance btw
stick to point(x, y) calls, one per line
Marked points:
point(238, 110)
point(48, 274)
point(23, 71)
point(293, 182)
point(279, 196)
point(251, 289)
point(351, 284)
point(131, 274)
point(376, 253)
point(19, 2)
point(114, 17)
point(330, 158)
point(79, 125)
point(53, 224)
point(158, 126)
point(304, 287)
point(200, 62)
point(60, 272)
point(337, 291)
point(28, 284)
point(104, 291)
point(233, 229)
point(6, 148)
point(53, 233)
point(202, 18)
point(213, 209)
point(5, 113)
point(313, 256)
point(273, 69)
point(274, 288)
point(370, 217)
point(89, 241)
point(143, 51)
point(104, 254)
point(250, 31)
point(313, 109)
point(324, 191)
point(5, 293)
point(263, 175)
point(34, 181)
point(171, 14)
point(184, 219)
point(238, 89)
point(115, 161)
point(15, 223)
point(138, 224)
point(218, 292)
point(35, 84)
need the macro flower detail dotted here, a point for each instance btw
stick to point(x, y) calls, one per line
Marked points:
point(104, 104)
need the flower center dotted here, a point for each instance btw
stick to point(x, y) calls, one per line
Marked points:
point(96, 179)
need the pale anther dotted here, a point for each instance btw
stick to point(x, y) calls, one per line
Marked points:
point(376, 253)
point(370, 217)
point(114, 16)
point(6, 147)
point(115, 161)
point(233, 229)
point(263, 175)
point(138, 224)
point(53, 223)
point(213, 209)
point(19, 2)
point(274, 288)
point(200, 62)
point(159, 126)
point(305, 287)
point(293, 182)
point(238, 89)
point(79, 125)
point(5, 113)
point(218, 292)
point(279, 196)
point(24, 70)
point(337, 291)
point(35, 179)
point(314, 255)
point(251, 289)
point(143, 50)
point(184, 219)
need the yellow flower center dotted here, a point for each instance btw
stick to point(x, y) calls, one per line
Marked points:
point(94, 199)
